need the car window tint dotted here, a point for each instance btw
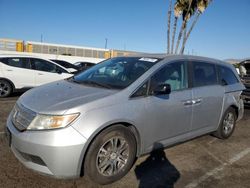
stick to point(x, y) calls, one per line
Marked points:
point(84, 64)
point(65, 64)
point(17, 62)
point(227, 76)
point(204, 74)
point(60, 70)
point(142, 91)
point(42, 65)
point(174, 74)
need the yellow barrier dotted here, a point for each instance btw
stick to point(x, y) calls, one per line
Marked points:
point(29, 48)
point(19, 47)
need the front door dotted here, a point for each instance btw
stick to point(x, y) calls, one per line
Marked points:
point(46, 72)
point(168, 116)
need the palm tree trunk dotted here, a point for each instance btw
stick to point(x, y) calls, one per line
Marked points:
point(173, 34)
point(188, 33)
point(183, 40)
point(180, 36)
point(183, 27)
point(169, 23)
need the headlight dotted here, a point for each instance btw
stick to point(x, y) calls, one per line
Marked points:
point(42, 122)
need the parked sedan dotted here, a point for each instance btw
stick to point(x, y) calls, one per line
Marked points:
point(84, 65)
point(74, 69)
point(23, 72)
point(99, 121)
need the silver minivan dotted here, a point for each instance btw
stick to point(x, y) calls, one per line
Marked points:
point(98, 122)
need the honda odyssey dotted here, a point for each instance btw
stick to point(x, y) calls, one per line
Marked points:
point(98, 122)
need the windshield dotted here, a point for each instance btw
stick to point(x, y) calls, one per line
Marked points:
point(116, 73)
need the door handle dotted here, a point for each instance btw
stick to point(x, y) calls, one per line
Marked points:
point(197, 101)
point(9, 70)
point(188, 102)
point(40, 73)
point(192, 102)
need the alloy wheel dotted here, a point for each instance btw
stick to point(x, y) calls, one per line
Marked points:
point(4, 88)
point(112, 156)
point(228, 123)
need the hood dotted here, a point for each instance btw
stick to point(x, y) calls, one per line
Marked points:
point(58, 97)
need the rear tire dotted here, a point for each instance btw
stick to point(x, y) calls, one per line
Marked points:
point(227, 124)
point(5, 88)
point(111, 155)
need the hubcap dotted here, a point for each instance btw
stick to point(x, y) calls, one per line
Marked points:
point(228, 123)
point(4, 89)
point(112, 156)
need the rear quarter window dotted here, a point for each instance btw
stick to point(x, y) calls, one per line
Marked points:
point(227, 77)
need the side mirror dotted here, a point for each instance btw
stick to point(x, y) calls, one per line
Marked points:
point(162, 89)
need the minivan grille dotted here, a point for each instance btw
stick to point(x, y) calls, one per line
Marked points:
point(22, 117)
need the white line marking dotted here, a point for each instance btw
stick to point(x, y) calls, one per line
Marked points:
point(213, 156)
point(239, 156)
point(212, 141)
point(213, 172)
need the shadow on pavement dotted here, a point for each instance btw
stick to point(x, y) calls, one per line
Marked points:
point(14, 95)
point(17, 94)
point(156, 170)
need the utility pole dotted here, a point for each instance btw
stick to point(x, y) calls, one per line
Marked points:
point(41, 37)
point(106, 43)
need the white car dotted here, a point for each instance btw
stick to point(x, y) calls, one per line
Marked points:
point(23, 72)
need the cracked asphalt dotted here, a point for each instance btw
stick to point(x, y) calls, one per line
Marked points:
point(203, 162)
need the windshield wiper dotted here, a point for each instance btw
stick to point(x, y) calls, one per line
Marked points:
point(91, 82)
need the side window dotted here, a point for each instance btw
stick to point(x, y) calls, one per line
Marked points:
point(42, 65)
point(17, 62)
point(174, 74)
point(60, 70)
point(142, 91)
point(204, 74)
point(227, 76)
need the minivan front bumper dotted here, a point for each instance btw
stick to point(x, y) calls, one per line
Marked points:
point(53, 152)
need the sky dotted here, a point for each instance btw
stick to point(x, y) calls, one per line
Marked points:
point(223, 30)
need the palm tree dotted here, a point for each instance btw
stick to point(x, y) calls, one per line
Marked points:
point(201, 7)
point(178, 10)
point(190, 7)
point(169, 23)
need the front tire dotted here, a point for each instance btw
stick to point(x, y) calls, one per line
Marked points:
point(5, 88)
point(110, 155)
point(227, 124)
